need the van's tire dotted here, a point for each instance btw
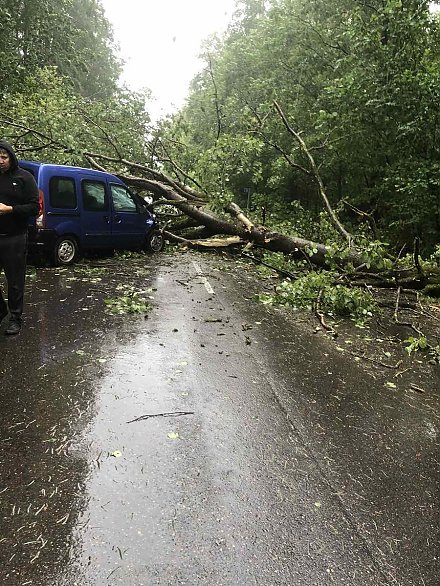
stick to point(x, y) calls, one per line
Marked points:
point(155, 241)
point(65, 251)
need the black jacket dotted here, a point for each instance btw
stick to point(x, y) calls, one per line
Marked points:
point(19, 190)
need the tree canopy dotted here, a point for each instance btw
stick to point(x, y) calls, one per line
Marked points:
point(357, 81)
point(71, 35)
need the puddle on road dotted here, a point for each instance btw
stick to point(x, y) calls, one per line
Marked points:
point(52, 384)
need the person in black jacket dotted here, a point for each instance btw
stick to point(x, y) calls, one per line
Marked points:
point(18, 203)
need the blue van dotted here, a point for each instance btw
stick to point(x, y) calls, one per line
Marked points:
point(83, 210)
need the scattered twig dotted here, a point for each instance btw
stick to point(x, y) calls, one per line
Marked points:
point(416, 388)
point(321, 318)
point(113, 571)
point(369, 218)
point(396, 309)
point(171, 414)
point(392, 366)
point(63, 520)
point(396, 316)
point(277, 270)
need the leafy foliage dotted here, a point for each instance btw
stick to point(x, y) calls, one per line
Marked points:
point(131, 301)
point(416, 344)
point(311, 290)
point(421, 344)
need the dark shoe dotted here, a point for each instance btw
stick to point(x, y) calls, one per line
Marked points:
point(13, 328)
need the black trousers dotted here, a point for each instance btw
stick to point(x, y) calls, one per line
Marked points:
point(13, 251)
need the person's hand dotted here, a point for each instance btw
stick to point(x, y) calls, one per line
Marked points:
point(4, 209)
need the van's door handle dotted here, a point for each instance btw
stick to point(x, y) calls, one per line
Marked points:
point(117, 219)
point(106, 219)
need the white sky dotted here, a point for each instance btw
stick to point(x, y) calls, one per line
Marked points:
point(160, 39)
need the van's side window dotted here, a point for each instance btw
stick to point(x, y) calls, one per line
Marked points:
point(122, 200)
point(94, 198)
point(62, 193)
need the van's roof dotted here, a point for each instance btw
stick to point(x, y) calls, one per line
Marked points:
point(37, 166)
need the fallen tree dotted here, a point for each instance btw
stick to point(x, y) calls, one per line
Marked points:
point(191, 204)
point(241, 231)
point(235, 229)
point(347, 273)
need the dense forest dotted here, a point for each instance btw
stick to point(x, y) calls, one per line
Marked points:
point(298, 100)
point(359, 80)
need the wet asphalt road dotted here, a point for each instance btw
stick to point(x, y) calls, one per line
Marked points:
point(282, 462)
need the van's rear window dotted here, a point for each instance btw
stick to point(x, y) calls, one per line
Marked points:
point(62, 193)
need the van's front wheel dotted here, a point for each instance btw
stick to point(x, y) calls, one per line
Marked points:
point(65, 251)
point(155, 241)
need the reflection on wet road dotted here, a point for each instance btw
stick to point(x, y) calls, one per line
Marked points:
point(267, 460)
